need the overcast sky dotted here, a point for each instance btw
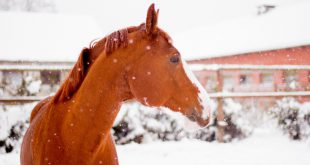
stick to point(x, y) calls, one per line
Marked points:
point(175, 15)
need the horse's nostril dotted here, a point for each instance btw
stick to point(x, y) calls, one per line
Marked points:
point(192, 118)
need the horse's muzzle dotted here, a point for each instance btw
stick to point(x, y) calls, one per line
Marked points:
point(195, 116)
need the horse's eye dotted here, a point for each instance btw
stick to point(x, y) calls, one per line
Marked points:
point(174, 59)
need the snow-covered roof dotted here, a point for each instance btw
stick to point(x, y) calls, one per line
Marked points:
point(283, 27)
point(45, 37)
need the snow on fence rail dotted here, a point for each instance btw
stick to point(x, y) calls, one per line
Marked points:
point(258, 94)
point(21, 99)
point(199, 67)
point(25, 67)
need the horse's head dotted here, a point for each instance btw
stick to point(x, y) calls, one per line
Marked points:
point(159, 77)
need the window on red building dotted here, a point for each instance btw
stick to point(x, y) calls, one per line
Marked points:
point(245, 79)
point(266, 82)
point(228, 83)
point(211, 84)
point(12, 83)
point(245, 83)
point(267, 79)
point(291, 79)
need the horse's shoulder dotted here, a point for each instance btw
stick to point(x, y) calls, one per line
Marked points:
point(38, 107)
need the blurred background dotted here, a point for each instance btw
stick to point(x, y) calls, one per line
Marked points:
point(252, 57)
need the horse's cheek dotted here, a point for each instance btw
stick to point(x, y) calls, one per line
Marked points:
point(146, 91)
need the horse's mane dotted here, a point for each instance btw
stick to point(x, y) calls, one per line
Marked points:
point(110, 43)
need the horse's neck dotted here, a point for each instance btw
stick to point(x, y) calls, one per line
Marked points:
point(96, 104)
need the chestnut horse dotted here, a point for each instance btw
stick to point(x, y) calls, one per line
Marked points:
point(73, 127)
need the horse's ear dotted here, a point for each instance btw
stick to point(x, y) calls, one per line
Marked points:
point(151, 20)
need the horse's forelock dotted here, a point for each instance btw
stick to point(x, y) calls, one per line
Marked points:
point(116, 40)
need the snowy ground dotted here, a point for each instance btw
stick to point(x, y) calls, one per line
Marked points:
point(265, 147)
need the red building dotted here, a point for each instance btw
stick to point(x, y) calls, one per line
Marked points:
point(258, 80)
point(263, 56)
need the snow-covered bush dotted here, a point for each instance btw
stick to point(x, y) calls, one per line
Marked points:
point(207, 133)
point(232, 122)
point(293, 117)
point(13, 124)
point(236, 125)
point(304, 116)
point(14, 83)
point(137, 123)
point(142, 124)
point(30, 83)
point(238, 120)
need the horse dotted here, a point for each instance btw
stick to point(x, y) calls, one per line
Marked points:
point(135, 63)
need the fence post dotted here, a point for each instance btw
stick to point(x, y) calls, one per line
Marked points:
point(220, 113)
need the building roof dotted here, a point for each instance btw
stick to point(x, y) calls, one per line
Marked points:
point(45, 37)
point(283, 27)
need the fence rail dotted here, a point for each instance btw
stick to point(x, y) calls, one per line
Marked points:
point(34, 67)
point(199, 67)
point(21, 99)
point(258, 94)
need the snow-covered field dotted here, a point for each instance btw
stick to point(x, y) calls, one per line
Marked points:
point(264, 147)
